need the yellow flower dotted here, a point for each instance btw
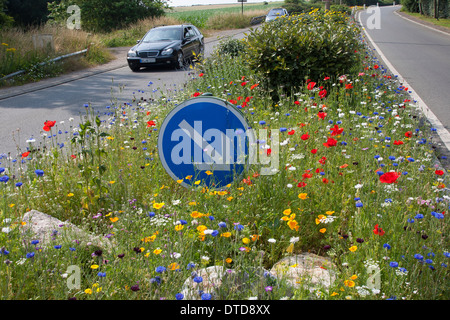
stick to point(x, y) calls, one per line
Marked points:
point(222, 193)
point(303, 196)
point(180, 180)
point(88, 291)
point(287, 212)
point(230, 198)
point(174, 266)
point(114, 219)
point(196, 214)
point(23, 223)
point(290, 248)
point(208, 173)
point(353, 248)
point(158, 205)
point(228, 260)
point(201, 228)
point(334, 294)
point(188, 178)
point(226, 234)
point(349, 283)
point(192, 203)
point(197, 182)
point(354, 277)
point(157, 251)
point(94, 266)
point(112, 182)
point(70, 194)
point(323, 230)
point(246, 240)
point(11, 205)
point(293, 225)
point(329, 212)
point(179, 227)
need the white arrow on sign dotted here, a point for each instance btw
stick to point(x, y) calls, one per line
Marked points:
point(217, 163)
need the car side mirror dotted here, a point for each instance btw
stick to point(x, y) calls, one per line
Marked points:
point(137, 41)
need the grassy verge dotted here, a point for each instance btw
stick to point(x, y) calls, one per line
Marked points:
point(357, 183)
point(441, 22)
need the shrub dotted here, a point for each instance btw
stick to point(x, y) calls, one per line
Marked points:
point(340, 8)
point(289, 50)
point(230, 46)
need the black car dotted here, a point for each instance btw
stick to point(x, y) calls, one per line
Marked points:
point(167, 45)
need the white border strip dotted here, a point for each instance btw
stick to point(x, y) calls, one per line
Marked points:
point(442, 132)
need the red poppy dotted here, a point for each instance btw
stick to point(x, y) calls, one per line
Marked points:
point(325, 180)
point(322, 93)
point(375, 66)
point(397, 143)
point(305, 136)
point(389, 177)
point(151, 123)
point(48, 125)
point(73, 156)
point(330, 143)
point(311, 85)
point(377, 230)
point(291, 132)
point(326, 78)
point(439, 172)
point(301, 184)
point(408, 134)
point(323, 160)
point(321, 114)
point(201, 74)
point(348, 86)
point(297, 102)
point(25, 154)
point(336, 130)
point(247, 181)
point(243, 83)
point(307, 175)
point(254, 86)
point(269, 151)
point(314, 151)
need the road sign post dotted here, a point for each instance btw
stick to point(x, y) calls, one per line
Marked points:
point(204, 140)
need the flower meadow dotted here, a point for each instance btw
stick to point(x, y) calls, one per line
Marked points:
point(358, 182)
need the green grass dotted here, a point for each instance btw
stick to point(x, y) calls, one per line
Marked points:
point(105, 176)
point(441, 22)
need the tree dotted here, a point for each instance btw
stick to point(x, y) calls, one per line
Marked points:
point(28, 12)
point(5, 19)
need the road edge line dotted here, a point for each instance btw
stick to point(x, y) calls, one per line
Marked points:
point(441, 131)
point(421, 24)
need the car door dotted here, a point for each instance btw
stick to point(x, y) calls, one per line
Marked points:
point(189, 42)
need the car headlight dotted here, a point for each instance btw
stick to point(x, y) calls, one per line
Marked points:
point(131, 54)
point(167, 52)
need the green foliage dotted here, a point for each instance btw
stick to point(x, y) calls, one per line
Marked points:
point(27, 12)
point(232, 47)
point(411, 5)
point(107, 15)
point(289, 50)
point(5, 19)
point(341, 8)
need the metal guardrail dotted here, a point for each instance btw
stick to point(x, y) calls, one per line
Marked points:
point(44, 63)
point(256, 20)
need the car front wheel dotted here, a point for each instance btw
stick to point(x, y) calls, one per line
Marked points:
point(180, 61)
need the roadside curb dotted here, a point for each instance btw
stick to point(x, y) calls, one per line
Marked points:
point(7, 93)
point(426, 111)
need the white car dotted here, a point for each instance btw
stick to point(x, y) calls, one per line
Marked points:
point(275, 13)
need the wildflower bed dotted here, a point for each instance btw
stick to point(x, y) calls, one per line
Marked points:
point(358, 183)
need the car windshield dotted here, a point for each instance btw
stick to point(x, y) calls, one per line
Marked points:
point(164, 34)
point(276, 12)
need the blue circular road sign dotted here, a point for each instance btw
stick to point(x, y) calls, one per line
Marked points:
point(204, 139)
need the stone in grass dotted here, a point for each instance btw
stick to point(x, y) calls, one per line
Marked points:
point(47, 229)
point(224, 283)
point(306, 270)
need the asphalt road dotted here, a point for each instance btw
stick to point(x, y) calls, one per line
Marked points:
point(24, 109)
point(420, 55)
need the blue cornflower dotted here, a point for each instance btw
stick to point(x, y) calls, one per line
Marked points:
point(190, 265)
point(419, 216)
point(19, 184)
point(447, 254)
point(39, 172)
point(160, 269)
point(179, 296)
point(359, 204)
point(262, 122)
point(101, 274)
point(238, 227)
point(30, 255)
point(418, 256)
point(222, 225)
point(393, 264)
point(214, 233)
point(35, 242)
point(57, 247)
point(4, 179)
point(151, 214)
point(429, 261)
point(198, 279)
point(206, 296)
point(183, 221)
point(387, 246)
